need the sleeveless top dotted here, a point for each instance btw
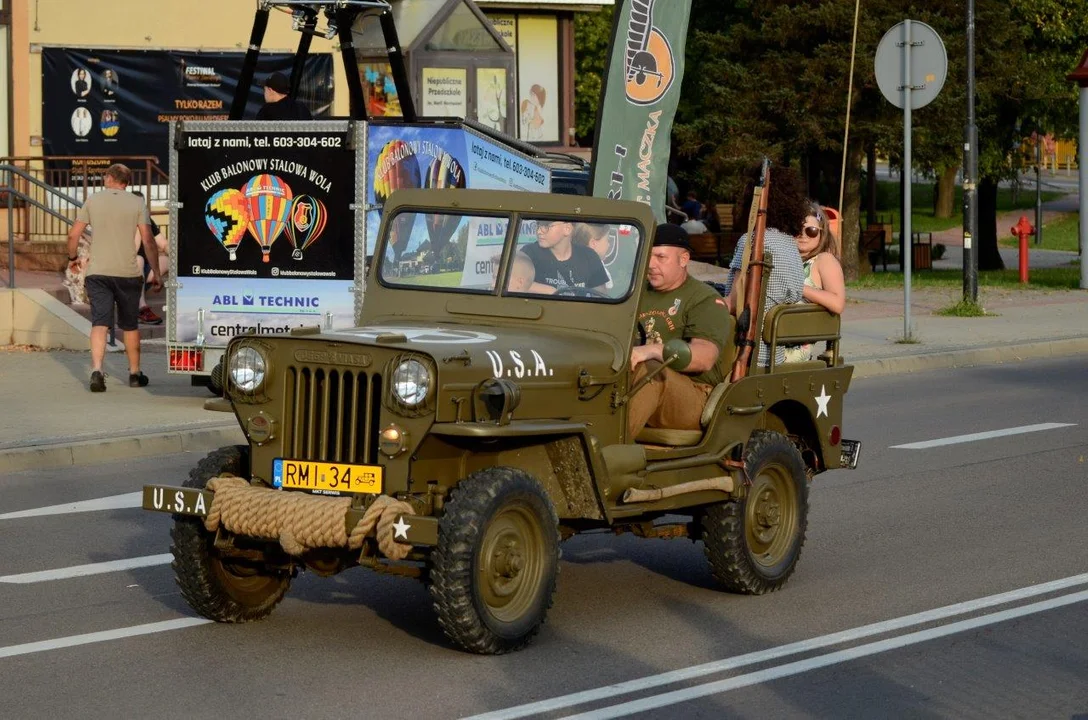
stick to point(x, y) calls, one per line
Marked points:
point(801, 353)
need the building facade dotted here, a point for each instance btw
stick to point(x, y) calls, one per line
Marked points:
point(539, 34)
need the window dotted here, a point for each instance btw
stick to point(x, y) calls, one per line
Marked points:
point(574, 259)
point(444, 251)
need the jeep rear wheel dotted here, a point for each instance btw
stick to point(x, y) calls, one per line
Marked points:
point(221, 588)
point(493, 572)
point(753, 544)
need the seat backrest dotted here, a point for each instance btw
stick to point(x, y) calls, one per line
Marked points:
point(801, 323)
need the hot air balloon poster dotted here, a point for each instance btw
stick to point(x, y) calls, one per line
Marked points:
point(307, 222)
point(443, 172)
point(227, 216)
point(412, 156)
point(269, 201)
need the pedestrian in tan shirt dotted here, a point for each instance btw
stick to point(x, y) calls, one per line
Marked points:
point(112, 275)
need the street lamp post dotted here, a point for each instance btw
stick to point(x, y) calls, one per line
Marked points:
point(1080, 76)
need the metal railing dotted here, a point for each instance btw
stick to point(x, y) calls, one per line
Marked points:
point(20, 188)
point(59, 184)
point(10, 177)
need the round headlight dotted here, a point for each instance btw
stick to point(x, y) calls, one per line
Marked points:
point(247, 369)
point(411, 383)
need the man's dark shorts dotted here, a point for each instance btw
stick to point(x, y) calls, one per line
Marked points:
point(104, 291)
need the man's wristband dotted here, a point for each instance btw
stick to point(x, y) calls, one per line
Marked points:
point(73, 259)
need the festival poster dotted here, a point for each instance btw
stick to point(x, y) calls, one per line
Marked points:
point(426, 156)
point(265, 228)
point(444, 92)
point(113, 103)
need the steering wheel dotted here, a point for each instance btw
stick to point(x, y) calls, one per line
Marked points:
point(580, 292)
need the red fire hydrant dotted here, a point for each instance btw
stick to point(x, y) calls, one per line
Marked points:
point(1023, 230)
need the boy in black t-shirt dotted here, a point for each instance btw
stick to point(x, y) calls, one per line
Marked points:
point(562, 264)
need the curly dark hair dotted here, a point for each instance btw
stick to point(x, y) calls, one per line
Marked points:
point(787, 205)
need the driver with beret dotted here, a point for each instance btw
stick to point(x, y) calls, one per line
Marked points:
point(676, 305)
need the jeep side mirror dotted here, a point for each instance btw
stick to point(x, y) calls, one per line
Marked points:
point(676, 354)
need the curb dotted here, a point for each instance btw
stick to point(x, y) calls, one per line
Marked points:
point(975, 356)
point(43, 457)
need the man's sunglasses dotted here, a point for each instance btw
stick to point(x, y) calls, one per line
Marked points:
point(812, 231)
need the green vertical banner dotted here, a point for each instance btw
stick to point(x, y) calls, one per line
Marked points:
point(634, 124)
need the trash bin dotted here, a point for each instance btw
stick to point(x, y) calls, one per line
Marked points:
point(922, 256)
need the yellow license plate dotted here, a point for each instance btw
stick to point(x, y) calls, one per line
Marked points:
point(323, 477)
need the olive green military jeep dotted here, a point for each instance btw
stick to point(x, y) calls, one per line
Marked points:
point(476, 419)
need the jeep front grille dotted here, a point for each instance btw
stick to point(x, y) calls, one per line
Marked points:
point(331, 415)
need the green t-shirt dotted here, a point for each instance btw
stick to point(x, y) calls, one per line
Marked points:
point(114, 216)
point(693, 310)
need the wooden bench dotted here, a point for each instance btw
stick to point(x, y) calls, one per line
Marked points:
point(716, 248)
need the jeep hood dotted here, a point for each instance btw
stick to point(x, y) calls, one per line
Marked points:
point(507, 351)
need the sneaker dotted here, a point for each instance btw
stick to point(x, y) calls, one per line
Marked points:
point(137, 379)
point(98, 381)
point(148, 317)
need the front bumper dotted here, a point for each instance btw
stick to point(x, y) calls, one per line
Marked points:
point(422, 530)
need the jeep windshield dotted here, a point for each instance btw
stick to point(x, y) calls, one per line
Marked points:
point(552, 258)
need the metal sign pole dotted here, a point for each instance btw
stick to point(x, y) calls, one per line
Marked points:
point(1038, 187)
point(970, 172)
point(1082, 177)
point(908, 242)
point(910, 66)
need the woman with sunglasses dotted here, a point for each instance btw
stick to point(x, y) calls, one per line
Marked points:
point(824, 283)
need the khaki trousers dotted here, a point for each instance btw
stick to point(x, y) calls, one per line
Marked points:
point(671, 400)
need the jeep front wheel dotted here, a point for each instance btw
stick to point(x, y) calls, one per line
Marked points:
point(753, 544)
point(493, 572)
point(221, 588)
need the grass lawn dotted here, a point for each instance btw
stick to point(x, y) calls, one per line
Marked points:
point(922, 220)
point(1058, 234)
point(1063, 278)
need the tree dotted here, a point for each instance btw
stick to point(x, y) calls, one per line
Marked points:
point(592, 35)
point(770, 78)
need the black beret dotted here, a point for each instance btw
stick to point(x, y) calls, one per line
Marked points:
point(670, 234)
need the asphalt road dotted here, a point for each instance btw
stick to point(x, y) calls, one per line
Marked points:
point(637, 627)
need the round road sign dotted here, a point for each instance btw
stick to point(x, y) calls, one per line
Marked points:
point(928, 64)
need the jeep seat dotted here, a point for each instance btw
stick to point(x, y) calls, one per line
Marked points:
point(681, 438)
point(801, 323)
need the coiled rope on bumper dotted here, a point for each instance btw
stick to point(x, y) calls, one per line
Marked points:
point(299, 521)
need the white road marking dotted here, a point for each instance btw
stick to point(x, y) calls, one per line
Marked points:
point(113, 502)
point(957, 439)
point(84, 570)
point(717, 666)
point(97, 637)
point(822, 661)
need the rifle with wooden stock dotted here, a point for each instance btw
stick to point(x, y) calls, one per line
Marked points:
point(750, 279)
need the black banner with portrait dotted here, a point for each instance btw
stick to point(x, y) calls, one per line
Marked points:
point(120, 102)
point(266, 204)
